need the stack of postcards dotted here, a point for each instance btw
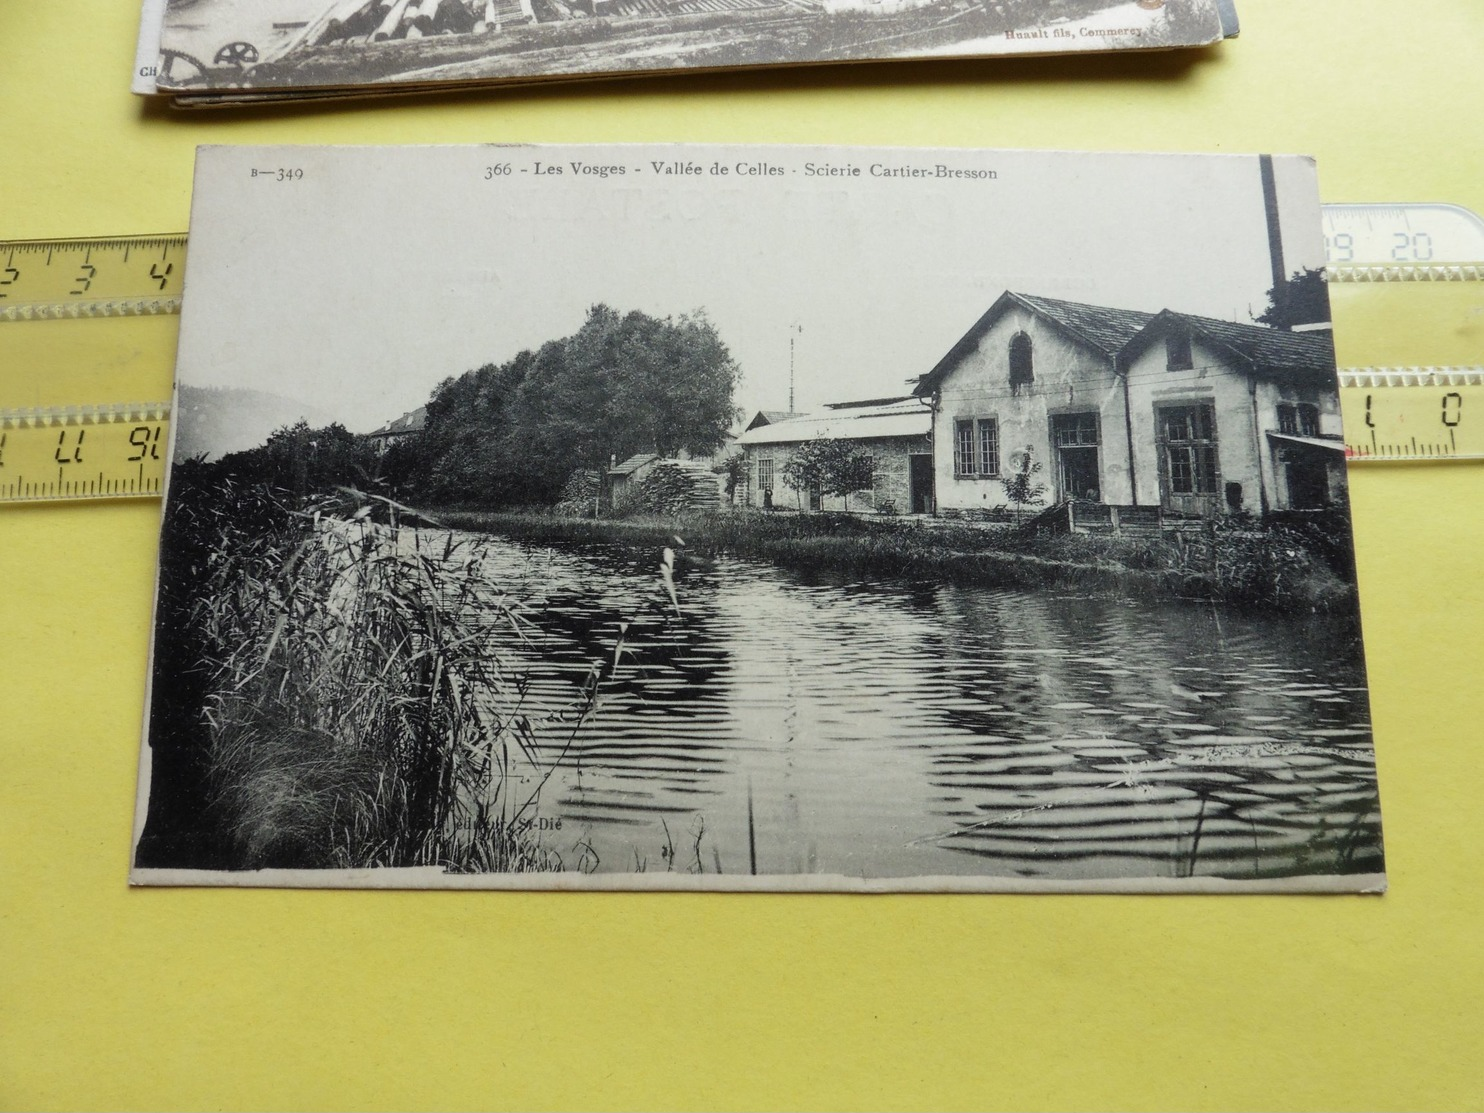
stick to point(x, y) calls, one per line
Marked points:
point(217, 52)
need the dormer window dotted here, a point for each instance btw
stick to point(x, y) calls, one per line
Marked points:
point(1177, 352)
point(1022, 369)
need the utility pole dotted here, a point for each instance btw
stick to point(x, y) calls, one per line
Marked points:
point(792, 331)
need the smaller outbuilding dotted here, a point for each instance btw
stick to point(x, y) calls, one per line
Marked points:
point(893, 434)
point(624, 476)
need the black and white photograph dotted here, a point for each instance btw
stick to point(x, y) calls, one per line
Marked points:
point(245, 47)
point(757, 518)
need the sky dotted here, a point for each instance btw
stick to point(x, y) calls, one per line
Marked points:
point(365, 276)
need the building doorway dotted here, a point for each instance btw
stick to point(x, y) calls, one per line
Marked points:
point(1308, 479)
point(920, 482)
point(1075, 440)
point(1189, 467)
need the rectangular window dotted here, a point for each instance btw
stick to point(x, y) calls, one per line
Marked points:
point(1299, 419)
point(963, 448)
point(764, 474)
point(871, 466)
point(976, 447)
point(1189, 433)
point(989, 446)
point(1075, 430)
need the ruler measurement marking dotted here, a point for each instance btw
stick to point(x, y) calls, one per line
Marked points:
point(1404, 420)
point(122, 453)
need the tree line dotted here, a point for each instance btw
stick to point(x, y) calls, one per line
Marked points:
point(513, 434)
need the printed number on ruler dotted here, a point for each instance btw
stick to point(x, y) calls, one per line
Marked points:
point(101, 452)
point(1403, 243)
point(1413, 413)
point(130, 275)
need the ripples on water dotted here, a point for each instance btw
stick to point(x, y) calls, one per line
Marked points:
point(891, 729)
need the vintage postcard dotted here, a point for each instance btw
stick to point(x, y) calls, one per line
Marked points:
point(239, 49)
point(775, 518)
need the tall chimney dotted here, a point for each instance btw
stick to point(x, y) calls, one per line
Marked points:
point(1275, 233)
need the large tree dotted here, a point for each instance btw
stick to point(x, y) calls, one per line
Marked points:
point(621, 384)
point(1301, 300)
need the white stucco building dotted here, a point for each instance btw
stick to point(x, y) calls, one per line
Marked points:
point(1195, 416)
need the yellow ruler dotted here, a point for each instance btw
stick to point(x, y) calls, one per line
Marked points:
point(88, 324)
point(82, 452)
point(87, 350)
point(1413, 413)
point(121, 277)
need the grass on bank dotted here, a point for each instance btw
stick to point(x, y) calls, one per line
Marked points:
point(1240, 563)
point(354, 708)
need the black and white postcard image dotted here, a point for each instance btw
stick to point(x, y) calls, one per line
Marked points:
point(205, 46)
point(779, 518)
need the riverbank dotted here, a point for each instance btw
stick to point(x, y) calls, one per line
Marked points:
point(329, 693)
point(1273, 568)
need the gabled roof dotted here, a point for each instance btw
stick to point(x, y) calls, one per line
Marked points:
point(767, 417)
point(633, 463)
point(408, 423)
point(1105, 329)
point(903, 417)
point(1260, 348)
point(1098, 327)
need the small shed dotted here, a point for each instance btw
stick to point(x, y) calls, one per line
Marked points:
point(621, 477)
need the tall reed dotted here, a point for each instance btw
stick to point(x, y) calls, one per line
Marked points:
point(359, 708)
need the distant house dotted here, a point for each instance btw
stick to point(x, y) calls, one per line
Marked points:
point(400, 429)
point(1189, 414)
point(895, 432)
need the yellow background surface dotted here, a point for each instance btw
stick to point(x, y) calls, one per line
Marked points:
point(258, 999)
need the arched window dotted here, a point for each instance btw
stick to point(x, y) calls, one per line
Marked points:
point(1022, 372)
point(1178, 356)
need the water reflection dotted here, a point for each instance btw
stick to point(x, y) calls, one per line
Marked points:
point(889, 729)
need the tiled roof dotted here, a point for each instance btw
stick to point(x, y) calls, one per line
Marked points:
point(1111, 331)
point(1103, 329)
point(1107, 330)
point(1264, 348)
point(408, 423)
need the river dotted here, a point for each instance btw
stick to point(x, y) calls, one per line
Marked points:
point(896, 729)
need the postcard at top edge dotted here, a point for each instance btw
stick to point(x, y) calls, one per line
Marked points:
point(147, 47)
point(728, 518)
point(276, 47)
